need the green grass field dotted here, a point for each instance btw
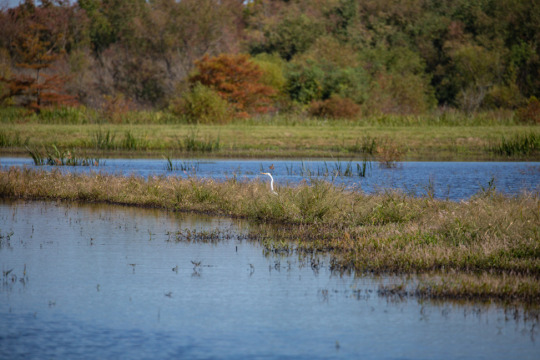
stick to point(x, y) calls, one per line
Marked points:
point(279, 140)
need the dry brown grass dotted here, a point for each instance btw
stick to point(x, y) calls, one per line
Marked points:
point(488, 234)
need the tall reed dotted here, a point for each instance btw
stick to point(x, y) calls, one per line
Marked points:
point(192, 143)
point(104, 140)
point(525, 144)
point(56, 157)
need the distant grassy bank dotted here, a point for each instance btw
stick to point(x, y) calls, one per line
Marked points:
point(441, 137)
point(485, 248)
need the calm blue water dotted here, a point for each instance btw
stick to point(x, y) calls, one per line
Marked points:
point(88, 281)
point(446, 180)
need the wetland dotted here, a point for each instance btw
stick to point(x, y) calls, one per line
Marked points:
point(196, 258)
point(94, 280)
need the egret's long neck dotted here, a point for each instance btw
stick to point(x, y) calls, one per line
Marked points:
point(271, 182)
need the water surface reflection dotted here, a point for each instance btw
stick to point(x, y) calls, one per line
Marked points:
point(110, 282)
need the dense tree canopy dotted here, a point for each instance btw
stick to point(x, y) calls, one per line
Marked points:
point(390, 56)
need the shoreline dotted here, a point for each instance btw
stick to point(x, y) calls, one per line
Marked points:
point(486, 248)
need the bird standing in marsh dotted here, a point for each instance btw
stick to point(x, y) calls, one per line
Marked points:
point(271, 183)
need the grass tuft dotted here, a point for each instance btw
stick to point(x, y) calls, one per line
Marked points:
point(191, 143)
point(57, 157)
point(12, 139)
point(104, 140)
point(519, 145)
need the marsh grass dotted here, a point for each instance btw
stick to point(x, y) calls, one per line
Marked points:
point(390, 232)
point(465, 286)
point(104, 140)
point(131, 142)
point(200, 235)
point(192, 143)
point(388, 152)
point(519, 145)
point(309, 140)
point(55, 157)
point(170, 165)
point(185, 166)
point(12, 139)
point(366, 145)
point(362, 169)
point(116, 110)
point(328, 169)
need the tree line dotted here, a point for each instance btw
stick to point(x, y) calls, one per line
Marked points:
point(213, 59)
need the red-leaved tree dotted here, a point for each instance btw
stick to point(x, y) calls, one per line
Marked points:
point(37, 46)
point(236, 79)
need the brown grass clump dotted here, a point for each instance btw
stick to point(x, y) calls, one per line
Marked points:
point(490, 234)
point(115, 108)
point(388, 153)
point(529, 113)
point(335, 108)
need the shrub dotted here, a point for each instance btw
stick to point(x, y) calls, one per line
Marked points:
point(272, 67)
point(529, 113)
point(304, 83)
point(399, 94)
point(388, 153)
point(336, 107)
point(114, 108)
point(312, 80)
point(503, 97)
point(202, 105)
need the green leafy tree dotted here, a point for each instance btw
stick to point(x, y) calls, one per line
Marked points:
point(101, 31)
point(478, 70)
point(293, 35)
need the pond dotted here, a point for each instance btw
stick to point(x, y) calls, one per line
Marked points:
point(444, 180)
point(97, 281)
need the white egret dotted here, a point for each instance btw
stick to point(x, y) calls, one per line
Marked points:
point(271, 183)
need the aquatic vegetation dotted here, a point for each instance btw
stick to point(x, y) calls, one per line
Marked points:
point(388, 152)
point(388, 232)
point(361, 170)
point(367, 145)
point(57, 157)
point(519, 145)
point(185, 165)
point(332, 170)
point(192, 166)
point(5, 239)
point(203, 236)
point(481, 286)
point(170, 165)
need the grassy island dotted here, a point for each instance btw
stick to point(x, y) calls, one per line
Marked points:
point(487, 247)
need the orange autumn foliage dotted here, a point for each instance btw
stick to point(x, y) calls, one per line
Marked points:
point(237, 80)
point(37, 50)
